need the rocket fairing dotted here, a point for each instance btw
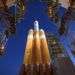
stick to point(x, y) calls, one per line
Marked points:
point(29, 47)
point(44, 48)
point(36, 26)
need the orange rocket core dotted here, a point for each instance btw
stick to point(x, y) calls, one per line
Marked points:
point(36, 49)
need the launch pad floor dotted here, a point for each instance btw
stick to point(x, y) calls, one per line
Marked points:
point(60, 66)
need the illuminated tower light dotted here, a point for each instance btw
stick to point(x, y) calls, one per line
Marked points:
point(3, 42)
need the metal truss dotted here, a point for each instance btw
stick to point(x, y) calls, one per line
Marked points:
point(3, 42)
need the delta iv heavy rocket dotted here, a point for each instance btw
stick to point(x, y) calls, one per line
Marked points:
point(37, 59)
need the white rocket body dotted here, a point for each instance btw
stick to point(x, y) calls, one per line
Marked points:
point(36, 26)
